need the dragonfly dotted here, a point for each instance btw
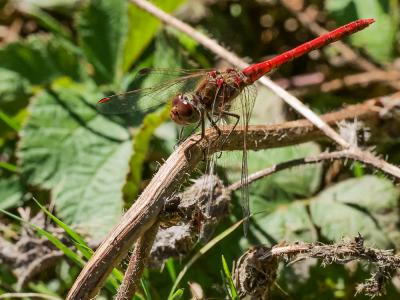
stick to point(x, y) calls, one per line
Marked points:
point(198, 96)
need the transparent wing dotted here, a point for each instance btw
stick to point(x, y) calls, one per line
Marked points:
point(244, 106)
point(160, 85)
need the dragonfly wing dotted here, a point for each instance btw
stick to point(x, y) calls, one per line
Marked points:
point(244, 107)
point(150, 98)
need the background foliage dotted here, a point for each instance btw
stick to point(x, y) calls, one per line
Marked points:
point(58, 58)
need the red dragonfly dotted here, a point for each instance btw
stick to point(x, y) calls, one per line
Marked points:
point(210, 95)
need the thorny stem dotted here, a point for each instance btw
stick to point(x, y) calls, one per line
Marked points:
point(137, 263)
point(235, 60)
point(340, 253)
point(143, 213)
point(351, 153)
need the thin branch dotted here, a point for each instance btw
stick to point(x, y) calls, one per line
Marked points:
point(347, 52)
point(355, 154)
point(250, 263)
point(137, 263)
point(213, 46)
point(144, 212)
point(306, 83)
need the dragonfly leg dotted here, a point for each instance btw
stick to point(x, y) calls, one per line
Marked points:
point(203, 135)
point(214, 125)
point(237, 117)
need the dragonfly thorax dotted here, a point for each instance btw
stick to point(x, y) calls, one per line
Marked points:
point(184, 110)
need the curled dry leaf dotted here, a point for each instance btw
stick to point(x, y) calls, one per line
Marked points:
point(189, 217)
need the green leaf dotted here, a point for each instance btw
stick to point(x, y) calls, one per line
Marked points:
point(11, 192)
point(13, 87)
point(141, 145)
point(378, 40)
point(299, 181)
point(177, 295)
point(102, 27)
point(41, 59)
point(287, 222)
point(276, 217)
point(232, 288)
point(366, 205)
point(78, 154)
point(142, 28)
point(48, 21)
point(79, 242)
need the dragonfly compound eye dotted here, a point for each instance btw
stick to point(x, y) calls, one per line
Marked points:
point(183, 111)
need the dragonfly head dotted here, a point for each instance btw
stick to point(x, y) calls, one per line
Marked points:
point(184, 111)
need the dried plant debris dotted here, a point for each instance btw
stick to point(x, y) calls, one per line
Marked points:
point(31, 255)
point(190, 217)
point(255, 272)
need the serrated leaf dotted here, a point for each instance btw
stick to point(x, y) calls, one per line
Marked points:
point(13, 87)
point(366, 205)
point(287, 222)
point(41, 59)
point(67, 147)
point(102, 27)
point(142, 28)
point(300, 181)
point(379, 39)
point(279, 218)
point(11, 192)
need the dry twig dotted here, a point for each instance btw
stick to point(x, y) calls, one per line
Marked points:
point(251, 281)
point(137, 263)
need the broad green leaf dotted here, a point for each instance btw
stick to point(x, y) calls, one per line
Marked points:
point(11, 192)
point(102, 27)
point(41, 59)
point(276, 218)
point(142, 28)
point(300, 181)
point(13, 88)
point(366, 205)
point(81, 156)
point(379, 39)
point(288, 222)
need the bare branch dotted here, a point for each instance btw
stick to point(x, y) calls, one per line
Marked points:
point(355, 154)
point(306, 83)
point(137, 263)
point(143, 213)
